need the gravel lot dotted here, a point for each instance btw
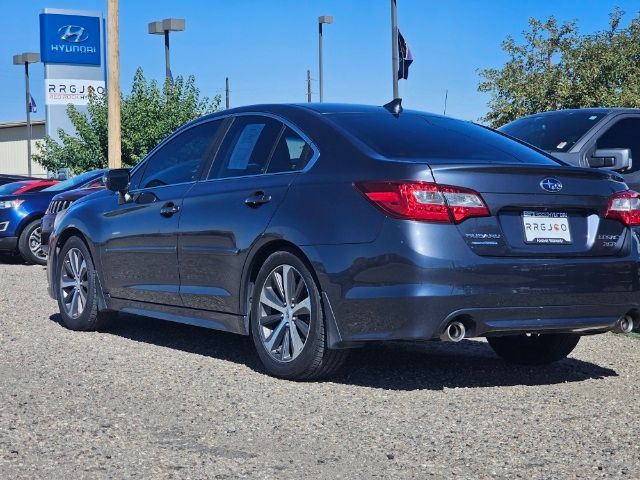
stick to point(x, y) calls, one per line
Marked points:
point(150, 399)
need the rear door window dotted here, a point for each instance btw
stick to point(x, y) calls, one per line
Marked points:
point(246, 148)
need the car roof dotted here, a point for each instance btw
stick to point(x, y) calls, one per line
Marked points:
point(317, 108)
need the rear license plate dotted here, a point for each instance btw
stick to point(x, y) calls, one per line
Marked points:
point(546, 228)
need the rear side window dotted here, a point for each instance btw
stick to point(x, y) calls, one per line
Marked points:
point(180, 159)
point(246, 148)
point(624, 134)
point(412, 136)
point(291, 153)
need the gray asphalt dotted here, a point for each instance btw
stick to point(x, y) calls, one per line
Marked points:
point(149, 399)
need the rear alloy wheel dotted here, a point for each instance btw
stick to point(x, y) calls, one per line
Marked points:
point(29, 244)
point(534, 349)
point(76, 288)
point(287, 321)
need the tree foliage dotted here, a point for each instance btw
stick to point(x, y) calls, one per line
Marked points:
point(557, 67)
point(148, 114)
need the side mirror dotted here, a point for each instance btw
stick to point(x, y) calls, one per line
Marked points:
point(117, 180)
point(611, 159)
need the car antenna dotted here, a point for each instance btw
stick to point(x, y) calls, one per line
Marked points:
point(394, 106)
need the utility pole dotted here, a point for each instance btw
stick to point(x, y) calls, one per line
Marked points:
point(227, 91)
point(113, 89)
point(394, 47)
point(309, 86)
point(446, 97)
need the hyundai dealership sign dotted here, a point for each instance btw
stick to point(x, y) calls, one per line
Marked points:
point(72, 39)
point(72, 49)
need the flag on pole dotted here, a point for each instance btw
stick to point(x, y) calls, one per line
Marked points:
point(33, 108)
point(405, 58)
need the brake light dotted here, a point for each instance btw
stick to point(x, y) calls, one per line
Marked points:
point(625, 207)
point(423, 201)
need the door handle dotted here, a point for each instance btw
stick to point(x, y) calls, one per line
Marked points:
point(169, 209)
point(257, 199)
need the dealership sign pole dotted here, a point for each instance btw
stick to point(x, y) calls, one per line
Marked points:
point(72, 50)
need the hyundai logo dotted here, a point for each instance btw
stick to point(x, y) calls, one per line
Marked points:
point(551, 185)
point(73, 33)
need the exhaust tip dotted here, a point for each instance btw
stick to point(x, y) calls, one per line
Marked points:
point(454, 332)
point(624, 324)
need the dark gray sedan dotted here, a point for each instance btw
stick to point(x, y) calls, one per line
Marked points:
point(316, 228)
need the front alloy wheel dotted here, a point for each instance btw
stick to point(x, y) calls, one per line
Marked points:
point(74, 283)
point(35, 245)
point(76, 288)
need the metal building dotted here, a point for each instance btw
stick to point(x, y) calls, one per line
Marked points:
point(13, 147)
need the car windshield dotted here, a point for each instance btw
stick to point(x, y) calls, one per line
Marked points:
point(10, 188)
point(553, 132)
point(72, 182)
point(418, 137)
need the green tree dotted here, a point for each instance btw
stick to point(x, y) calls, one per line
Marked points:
point(557, 67)
point(149, 113)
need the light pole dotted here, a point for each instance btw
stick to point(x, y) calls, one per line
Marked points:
point(25, 59)
point(163, 27)
point(328, 19)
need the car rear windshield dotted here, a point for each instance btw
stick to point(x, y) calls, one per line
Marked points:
point(10, 188)
point(419, 137)
point(72, 182)
point(553, 132)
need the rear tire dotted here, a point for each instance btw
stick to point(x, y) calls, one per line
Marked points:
point(534, 349)
point(287, 321)
point(29, 244)
point(76, 288)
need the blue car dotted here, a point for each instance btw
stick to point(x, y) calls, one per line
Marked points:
point(318, 228)
point(21, 214)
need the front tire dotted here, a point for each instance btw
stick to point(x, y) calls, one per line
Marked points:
point(287, 321)
point(76, 288)
point(29, 244)
point(534, 349)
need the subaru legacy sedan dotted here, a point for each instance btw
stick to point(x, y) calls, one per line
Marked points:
point(317, 228)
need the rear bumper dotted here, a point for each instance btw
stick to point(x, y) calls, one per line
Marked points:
point(8, 244)
point(410, 288)
point(571, 318)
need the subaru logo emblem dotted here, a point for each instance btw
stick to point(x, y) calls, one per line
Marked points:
point(73, 33)
point(551, 185)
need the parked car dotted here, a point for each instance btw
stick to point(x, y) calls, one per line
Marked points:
point(316, 228)
point(604, 138)
point(21, 215)
point(60, 203)
point(4, 178)
point(25, 186)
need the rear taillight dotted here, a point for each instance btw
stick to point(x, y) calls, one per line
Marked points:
point(625, 206)
point(427, 202)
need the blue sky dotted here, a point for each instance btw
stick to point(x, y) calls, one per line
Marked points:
point(266, 46)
